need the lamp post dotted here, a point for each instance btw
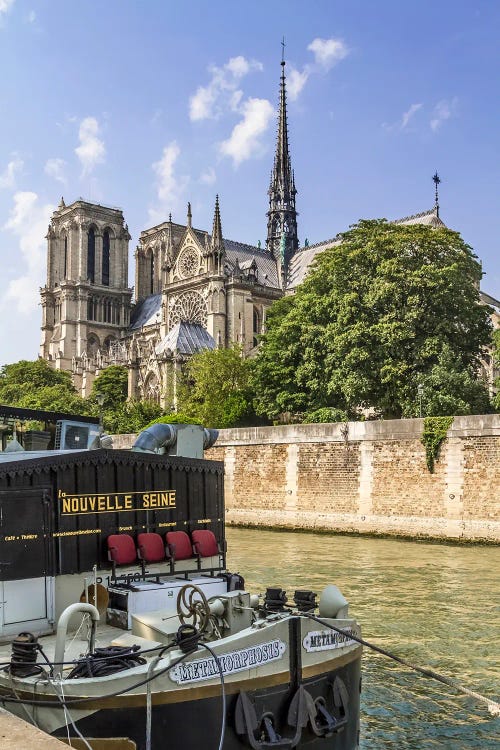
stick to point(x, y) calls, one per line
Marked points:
point(420, 391)
point(99, 397)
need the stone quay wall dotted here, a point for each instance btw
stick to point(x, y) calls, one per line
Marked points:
point(365, 477)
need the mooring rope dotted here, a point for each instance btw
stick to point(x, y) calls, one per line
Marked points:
point(492, 706)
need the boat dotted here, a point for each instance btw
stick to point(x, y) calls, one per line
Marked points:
point(121, 626)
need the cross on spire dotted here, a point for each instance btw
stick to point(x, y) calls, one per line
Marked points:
point(436, 180)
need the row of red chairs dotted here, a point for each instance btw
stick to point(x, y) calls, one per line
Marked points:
point(152, 548)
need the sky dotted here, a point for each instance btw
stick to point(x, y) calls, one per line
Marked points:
point(149, 104)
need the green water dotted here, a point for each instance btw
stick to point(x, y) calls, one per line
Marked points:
point(436, 605)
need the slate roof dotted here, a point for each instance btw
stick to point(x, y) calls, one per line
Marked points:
point(186, 338)
point(301, 261)
point(145, 312)
point(267, 270)
point(491, 301)
point(428, 218)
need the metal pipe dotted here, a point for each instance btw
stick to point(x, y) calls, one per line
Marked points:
point(62, 629)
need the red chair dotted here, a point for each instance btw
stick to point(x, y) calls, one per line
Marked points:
point(150, 547)
point(121, 550)
point(179, 546)
point(205, 543)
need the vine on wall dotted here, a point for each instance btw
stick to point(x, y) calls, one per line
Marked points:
point(435, 429)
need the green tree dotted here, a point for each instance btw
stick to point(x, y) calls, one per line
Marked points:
point(36, 385)
point(496, 355)
point(132, 416)
point(215, 388)
point(371, 321)
point(112, 385)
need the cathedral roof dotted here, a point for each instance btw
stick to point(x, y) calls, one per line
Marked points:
point(428, 218)
point(301, 261)
point(146, 312)
point(186, 338)
point(267, 271)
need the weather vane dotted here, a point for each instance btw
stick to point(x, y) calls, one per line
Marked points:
point(436, 179)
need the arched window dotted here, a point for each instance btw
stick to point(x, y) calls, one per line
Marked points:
point(65, 257)
point(256, 326)
point(93, 345)
point(105, 257)
point(152, 389)
point(152, 273)
point(91, 255)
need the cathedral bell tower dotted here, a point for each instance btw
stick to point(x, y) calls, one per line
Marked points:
point(282, 240)
point(86, 300)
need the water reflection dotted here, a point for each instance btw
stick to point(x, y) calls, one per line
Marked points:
point(435, 605)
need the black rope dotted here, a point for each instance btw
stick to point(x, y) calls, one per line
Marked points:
point(106, 661)
point(24, 655)
point(493, 706)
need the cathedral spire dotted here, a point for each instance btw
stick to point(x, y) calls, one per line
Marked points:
point(282, 240)
point(217, 241)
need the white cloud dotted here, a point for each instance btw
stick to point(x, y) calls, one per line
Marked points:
point(208, 177)
point(407, 116)
point(170, 187)
point(28, 222)
point(295, 81)
point(443, 110)
point(56, 168)
point(31, 16)
point(8, 176)
point(91, 150)
point(222, 91)
point(328, 52)
point(244, 142)
point(5, 5)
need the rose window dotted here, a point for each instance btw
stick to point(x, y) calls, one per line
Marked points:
point(189, 307)
point(188, 262)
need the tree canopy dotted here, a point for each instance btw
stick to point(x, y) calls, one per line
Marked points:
point(496, 354)
point(387, 308)
point(215, 388)
point(36, 385)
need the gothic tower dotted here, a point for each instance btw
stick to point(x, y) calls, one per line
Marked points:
point(282, 240)
point(86, 300)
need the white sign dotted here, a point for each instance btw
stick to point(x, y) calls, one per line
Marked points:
point(234, 661)
point(324, 640)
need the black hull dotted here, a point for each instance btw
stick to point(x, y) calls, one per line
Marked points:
point(193, 724)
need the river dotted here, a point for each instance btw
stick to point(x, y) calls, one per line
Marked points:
point(435, 605)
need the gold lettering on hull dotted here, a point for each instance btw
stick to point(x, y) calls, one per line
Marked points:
point(116, 502)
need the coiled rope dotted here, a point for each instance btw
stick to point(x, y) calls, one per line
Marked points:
point(106, 661)
point(492, 706)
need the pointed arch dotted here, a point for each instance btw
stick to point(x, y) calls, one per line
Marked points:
point(106, 248)
point(91, 254)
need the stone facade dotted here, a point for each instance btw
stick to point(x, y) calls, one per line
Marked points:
point(86, 301)
point(365, 477)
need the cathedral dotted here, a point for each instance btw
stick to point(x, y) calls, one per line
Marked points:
point(194, 289)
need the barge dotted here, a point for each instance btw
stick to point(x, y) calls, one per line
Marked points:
point(121, 626)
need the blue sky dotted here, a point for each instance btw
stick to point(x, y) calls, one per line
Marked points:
point(146, 105)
